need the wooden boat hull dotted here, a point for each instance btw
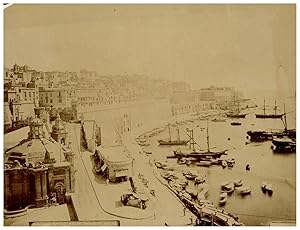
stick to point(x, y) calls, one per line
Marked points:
point(270, 116)
point(236, 115)
point(178, 142)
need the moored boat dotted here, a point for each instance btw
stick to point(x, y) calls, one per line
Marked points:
point(223, 201)
point(236, 123)
point(173, 142)
point(238, 182)
point(244, 190)
point(269, 189)
point(200, 179)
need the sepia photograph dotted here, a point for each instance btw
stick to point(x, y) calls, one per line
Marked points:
point(149, 114)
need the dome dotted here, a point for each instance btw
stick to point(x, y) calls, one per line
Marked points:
point(36, 150)
point(59, 125)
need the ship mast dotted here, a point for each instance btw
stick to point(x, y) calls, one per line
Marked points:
point(264, 107)
point(285, 118)
point(178, 136)
point(169, 132)
point(207, 137)
point(275, 108)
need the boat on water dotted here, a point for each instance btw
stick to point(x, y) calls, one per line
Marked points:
point(173, 142)
point(236, 115)
point(200, 179)
point(218, 120)
point(238, 182)
point(230, 162)
point(181, 161)
point(244, 190)
point(269, 189)
point(236, 112)
point(270, 116)
point(284, 145)
point(223, 195)
point(227, 187)
point(224, 164)
point(263, 135)
point(223, 201)
point(190, 176)
point(201, 157)
point(236, 123)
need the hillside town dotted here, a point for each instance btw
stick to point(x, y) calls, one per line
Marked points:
point(149, 115)
point(70, 94)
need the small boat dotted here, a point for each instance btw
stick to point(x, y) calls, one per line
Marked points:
point(227, 187)
point(188, 162)
point(144, 144)
point(225, 184)
point(200, 179)
point(219, 120)
point(223, 195)
point(173, 142)
point(248, 167)
point(263, 187)
point(223, 201)
point(238, 183)
point(160, 164)
point(230, 161)
point(224, 164)
point(269, 189)
point(235, 123)
point(182, 161)
point(244, 190)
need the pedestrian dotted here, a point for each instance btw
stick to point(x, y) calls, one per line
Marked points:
point(184, 210)
point(107, 181)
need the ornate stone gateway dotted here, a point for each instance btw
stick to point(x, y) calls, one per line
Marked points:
point(60, 191)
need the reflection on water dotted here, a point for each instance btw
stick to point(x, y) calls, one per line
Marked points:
point(277, 169)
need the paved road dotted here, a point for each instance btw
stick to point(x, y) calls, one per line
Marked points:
point(168, 208)
point(87, 203)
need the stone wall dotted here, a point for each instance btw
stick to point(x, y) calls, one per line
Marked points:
point(116, 120)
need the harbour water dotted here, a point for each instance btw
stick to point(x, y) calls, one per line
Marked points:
point(279, 169)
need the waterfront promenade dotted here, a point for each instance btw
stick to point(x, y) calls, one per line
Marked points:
point(95, 200)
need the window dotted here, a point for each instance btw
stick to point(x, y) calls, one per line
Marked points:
point(60, 100)
point(29, 94)
point(50, 100)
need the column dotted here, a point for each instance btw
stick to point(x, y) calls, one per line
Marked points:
point(67, 181)
point(44, 185)
point(38, 194)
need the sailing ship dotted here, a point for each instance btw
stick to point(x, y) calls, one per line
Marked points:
point(236, 112)
point(261, 135)
point(198, 155)
point(173, 142)
point(272, 116)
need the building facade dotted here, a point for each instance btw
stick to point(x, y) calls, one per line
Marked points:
point(37, 171)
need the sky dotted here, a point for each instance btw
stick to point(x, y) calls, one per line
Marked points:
point(251, 47)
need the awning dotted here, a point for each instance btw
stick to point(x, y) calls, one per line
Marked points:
point(121, 173)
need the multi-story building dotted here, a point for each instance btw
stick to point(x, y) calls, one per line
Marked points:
point(21, 101)
point(54, 97)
